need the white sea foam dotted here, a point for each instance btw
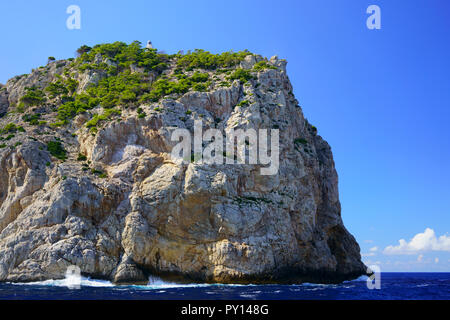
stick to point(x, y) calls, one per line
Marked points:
point(248, 296)
point(362, 278)
point(154, 283)
point(68, 282)
point(158, 283)
point(359, 279)
point(308, 284)
point(315, 289)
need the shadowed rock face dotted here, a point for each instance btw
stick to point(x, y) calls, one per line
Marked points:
point(4, 103)
point(151, 215)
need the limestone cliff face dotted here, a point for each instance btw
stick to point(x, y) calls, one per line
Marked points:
point(4, 103)
point(147, 214)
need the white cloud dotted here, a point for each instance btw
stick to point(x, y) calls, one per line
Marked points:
point(370, 254)
point(436, 260)
point(368, 241)
point(370, 262)
point(421, 242)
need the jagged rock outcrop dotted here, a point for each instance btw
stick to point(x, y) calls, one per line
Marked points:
point(4, 103)
point(148, 214)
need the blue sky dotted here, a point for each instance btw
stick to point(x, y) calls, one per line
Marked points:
point(381, 98)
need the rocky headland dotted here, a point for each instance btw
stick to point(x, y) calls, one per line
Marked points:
point(86, 176)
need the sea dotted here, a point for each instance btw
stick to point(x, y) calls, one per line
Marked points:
point(393, 286)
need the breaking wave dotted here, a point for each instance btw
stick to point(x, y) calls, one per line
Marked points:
point(153, 283)
point(69, 282)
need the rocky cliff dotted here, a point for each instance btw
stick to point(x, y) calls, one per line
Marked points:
point(86, 176)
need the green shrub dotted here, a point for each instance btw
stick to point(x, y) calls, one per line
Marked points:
point(32, 119)
point(33, 97)
point(243, 103)
point(125, 55)
point(85, 66)
point(9, 128)
point(81, 157)
point(164, 87)
point(98, 173)
point(300, 141)
point(83, 49)
point(71, 85)
point(20, 108)
point(56, 149)
point(70, 109)
point(240, 74)
point(205, 60)
point(96, 119)
point(262, 65)
point(200, 77)
point(128, 96)
point(202, 87)
point(122, 88)
point(55, 89)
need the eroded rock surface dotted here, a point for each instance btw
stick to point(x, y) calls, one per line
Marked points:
point(151, 215)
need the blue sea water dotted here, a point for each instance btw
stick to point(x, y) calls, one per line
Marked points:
point(394, 286)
